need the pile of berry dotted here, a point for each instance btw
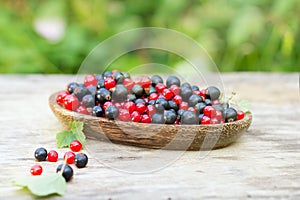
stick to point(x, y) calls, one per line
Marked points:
point(115, 95)
point(80, 160)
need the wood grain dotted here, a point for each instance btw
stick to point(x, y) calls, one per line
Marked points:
point(263, 163)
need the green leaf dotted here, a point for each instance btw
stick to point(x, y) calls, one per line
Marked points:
point(43, 185)
point(64, 138)
point(244, 105)
point(77, 130)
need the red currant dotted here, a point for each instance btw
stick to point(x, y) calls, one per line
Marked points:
point(130, 106)
point(197, 92)
point(75, 145)
point(52, 156)
point(36, 170)
point(175, 89)
point(118, 105)
point(184, 105)
point(167, 94)
point(144, 81)
point(177, 99)
point(82, 110)
point(71, 102)
point(124, 115)
point(192, 109)
point(107, 104)
point(151, 110)
point(205, 120)
point(61, 96)
point(109, 83)
point(240, 115)
point(160, 87)
point(209, 111)
point(214, 121)
point(140, 107)
point(90, 80)
point(128, 83)
point(69, 157)
point(219, 116)
point(153, 96)
point(135, 116)
point(203, 93)
point(145, 119)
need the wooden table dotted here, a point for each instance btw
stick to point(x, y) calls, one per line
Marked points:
point(263, 163)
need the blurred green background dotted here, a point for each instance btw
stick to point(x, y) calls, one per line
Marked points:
point(54, 36)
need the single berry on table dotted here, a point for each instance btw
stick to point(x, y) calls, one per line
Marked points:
point(75, 145)
point(81, 160)
point(52, 156)
point(36, 170)
point(69, 157)
point(67, 171)
point(40, 154)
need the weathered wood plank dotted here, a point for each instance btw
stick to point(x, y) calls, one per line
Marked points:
point(264, 163)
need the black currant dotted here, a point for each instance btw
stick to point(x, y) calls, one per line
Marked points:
point(186, 93)
point(72, 86)
point(88, 101)
point(151, 102)
point(80, 92)
point(125, 74)
point(155, 79)
point(97, 111)
point(186, 85)
point(212, 93)
point(67, 173)
point(189, 117)
point(157, 118)
point(92, 89)
point(230, 115)
point(195, 88)
point(40, 154)
point(107, 74)
point(131, 97)
point(169, 117)
point(194, 99)
point(118, 77)
point(163, 102)
point(172, 80)
point(80, 160)
point(199, 107)
point(218, 107)
point(103, 95)
point(173, 105)
point(208, 102)
point(99, 76)
point(137, 90)
point(119, 93)
point(151, 90)
point(100, 83)
point(225, 105)
point(159, 108)
point(112, 112)
point(139, 101)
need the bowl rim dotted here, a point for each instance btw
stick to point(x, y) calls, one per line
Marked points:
point(76, 115)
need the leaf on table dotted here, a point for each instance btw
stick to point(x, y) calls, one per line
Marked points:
point(77, 130)
point(64, 138)
point(43, 185)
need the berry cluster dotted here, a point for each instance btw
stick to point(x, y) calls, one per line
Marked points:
point(80, 160)
point(115, 95)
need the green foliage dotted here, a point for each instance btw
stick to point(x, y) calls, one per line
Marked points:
point(64, 138)
point(257, 35)
point(43, 185)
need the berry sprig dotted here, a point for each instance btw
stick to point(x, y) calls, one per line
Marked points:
point(44, 185)
point(116, 96)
